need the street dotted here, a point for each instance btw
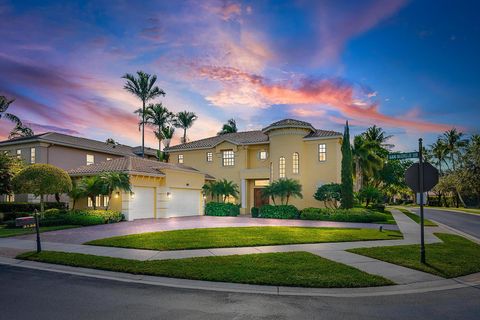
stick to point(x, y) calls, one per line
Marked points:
point(34, 294)
point(464, 222)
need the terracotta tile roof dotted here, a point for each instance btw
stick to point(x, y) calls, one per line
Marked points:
point(253, 137)
point(130, 165)
point(81, 143)
point(245, 137)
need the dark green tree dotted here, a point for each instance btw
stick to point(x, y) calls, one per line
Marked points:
point(347, 170)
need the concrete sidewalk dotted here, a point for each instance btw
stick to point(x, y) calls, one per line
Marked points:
point(331, 251)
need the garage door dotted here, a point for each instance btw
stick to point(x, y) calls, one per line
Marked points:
point(142, 205)
point(184, 202)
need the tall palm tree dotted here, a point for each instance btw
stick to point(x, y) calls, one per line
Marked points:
point(454, 142)
point(167, 133)
point(20, 131)
point(157, 116)
point(111, 181)
point(4, 104)
point(439, 153)
point(378, 136)
point(143, 87)
point(229, 127)
point(185, 120)
point(366, 160)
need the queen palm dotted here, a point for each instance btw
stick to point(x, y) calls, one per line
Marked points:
point(229, 127)
point(20, 131)
point(157, 116)
point(366, 160)
point(185, 120)
point(439, 152)
point(143, 86)
point(4, 104)
point(454, 142)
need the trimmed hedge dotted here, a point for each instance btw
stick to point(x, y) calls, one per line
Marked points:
point(255, 211)
point(278, 212)
point(342, 215)
point(220, 209)
point(13, 207)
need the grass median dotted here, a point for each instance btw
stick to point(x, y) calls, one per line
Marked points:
point(455, 257)
point(416, 218)
point(300, 269)
point(241, 237)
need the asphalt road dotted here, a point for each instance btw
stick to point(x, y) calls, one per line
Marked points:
point(465, 222)
point(34, 294)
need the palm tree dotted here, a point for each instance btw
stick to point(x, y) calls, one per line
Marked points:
point(439, 153)
point(20, 131)
point(76, 193)
point(111, 181)
point(92, 187)
point(270, 192)
point(167, 134)
point(157, 116)
point(379, 137)
point(287, 188)
point(454, 144)
point(223, 188)
point(4, 104)
point(366, 161)
point(229, 127)
point(143, 86)
point(184, 120)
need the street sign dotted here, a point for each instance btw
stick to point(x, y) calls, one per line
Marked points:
point(430, 177)
point(26, 222)
point(401, 156)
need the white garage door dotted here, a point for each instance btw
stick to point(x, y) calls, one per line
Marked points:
point(184, 202)
point(143, 203)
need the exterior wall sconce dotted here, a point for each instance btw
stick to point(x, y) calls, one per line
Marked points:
point(169, 195)
point(132, 195)
point(117, 194)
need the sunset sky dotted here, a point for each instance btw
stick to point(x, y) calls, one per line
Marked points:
point(411, 67)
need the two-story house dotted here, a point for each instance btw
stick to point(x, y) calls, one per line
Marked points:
point(285, 149)
point(66, 152)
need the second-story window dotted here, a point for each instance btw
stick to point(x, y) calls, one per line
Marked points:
point(32, 155)
point(228, 158)
point(281, 167)
point(209, 156)
point(296, 163)
point(322, 152)
point(90, 159)
point(180, 158)
point(19, 153)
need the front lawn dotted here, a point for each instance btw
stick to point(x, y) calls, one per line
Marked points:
point(416, 218)
point(11, 232)
point(299, 269)
point(455, 257)
point(241, 237)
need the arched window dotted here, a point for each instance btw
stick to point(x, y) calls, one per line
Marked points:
point(296, 163)
point(281, 167)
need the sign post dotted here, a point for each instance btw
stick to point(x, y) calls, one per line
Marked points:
point(37, 229)
point(420, 183)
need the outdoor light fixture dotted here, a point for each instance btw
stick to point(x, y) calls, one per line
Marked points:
point(169, 195)
point(132, 194)
point(117, 194)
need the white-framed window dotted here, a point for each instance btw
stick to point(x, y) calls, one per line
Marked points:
point(281, 167)
point(19, 153)
point(98, 201)
point(262, 155)
point(180, 158)
point(90, 159)
point(209, 156)
point(322, 152)
point(108, 159)
point(106, 200)
point(10, 198)
point(89, 202)
point(33, 155)
point(228, 158)
point(261, 183)
point(295, 163)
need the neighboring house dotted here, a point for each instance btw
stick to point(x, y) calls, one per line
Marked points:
point(66, 152)
point(159, 189)
point(285, 149)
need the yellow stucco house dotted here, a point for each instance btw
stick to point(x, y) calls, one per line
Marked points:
point(285, 149)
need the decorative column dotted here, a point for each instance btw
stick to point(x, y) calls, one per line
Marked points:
point(243, 193)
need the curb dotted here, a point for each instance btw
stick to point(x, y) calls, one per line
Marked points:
point(419, 287)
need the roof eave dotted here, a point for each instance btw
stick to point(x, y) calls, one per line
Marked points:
point(323, 138)
point(211, 147)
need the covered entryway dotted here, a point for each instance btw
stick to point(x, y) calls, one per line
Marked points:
point(142, 203)
point(184, 202)
point(258, 199)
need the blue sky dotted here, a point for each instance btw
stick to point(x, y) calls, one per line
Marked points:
point(410, 67)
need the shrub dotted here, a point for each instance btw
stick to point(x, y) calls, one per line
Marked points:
point(369, 195)
point(92, 217)
point(12, 207)
point(278, 212)
point(255, 211)
point(342, 215)
point(221, 209)
point(329, 193)
point(378, 207)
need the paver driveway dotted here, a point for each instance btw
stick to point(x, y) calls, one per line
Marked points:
point(82, 235)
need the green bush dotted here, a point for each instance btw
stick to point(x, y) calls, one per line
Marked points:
point(92, 217)
point(378, 207)
point(278, 212)
point(13, 207)
point(343, 215)
point(220, 209)
point(255, 211)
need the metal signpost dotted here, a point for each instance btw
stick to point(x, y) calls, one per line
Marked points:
point(29, 222)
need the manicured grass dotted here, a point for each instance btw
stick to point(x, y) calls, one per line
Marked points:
point(285, 269)
point(455, 257)
point(416, 218)
point(7, 232)
point(241, 237)
point(468, 210)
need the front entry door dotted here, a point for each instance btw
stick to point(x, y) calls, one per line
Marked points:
point(258, 200)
